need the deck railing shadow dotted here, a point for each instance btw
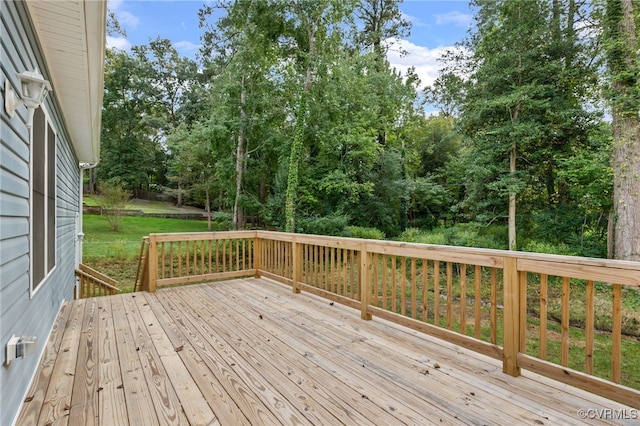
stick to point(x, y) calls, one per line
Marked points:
point(512, 306)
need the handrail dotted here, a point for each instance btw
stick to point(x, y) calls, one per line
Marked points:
point(94, 283)
point(485, 300)
point(107, 279)
point(143, 265)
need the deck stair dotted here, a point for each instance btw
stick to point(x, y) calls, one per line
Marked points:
point(94, 284)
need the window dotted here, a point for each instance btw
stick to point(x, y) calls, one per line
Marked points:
point(43, 199)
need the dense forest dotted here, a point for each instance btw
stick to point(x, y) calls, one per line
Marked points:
point(292, 118)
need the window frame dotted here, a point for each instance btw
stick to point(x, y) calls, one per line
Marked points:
point(49, 184)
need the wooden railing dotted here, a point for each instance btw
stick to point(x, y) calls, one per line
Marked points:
point(512, 306)
point(143, 265)
point(196, 257)
point(94, 284)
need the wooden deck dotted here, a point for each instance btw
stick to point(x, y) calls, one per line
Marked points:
point(251, 352)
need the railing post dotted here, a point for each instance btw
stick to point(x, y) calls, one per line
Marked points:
point(513, 327)
point(297, 264)
point(257, 258)
point(153, 264)
point(365, 289)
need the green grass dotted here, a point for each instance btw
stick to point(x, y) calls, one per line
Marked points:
point(630, 351)
point(147, 206)
point(630, 345)
point(116, 253)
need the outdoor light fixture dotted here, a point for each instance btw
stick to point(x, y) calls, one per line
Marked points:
point(34, 89)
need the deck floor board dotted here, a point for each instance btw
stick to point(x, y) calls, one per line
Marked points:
point(249, 351)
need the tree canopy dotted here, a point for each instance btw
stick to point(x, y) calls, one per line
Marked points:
point(292, 118)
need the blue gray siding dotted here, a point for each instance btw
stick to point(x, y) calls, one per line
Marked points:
point(19, 313)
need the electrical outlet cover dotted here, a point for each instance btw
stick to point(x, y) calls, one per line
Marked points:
point(11, 349)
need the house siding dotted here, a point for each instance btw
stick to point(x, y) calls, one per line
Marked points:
point(21, 314)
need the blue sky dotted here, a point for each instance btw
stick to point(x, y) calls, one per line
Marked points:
point(436, 26)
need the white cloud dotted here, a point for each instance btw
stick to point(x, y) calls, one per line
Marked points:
point(114, 5)
point(119, 43)
point(127, 19)
point(186, 46)
point(415, 21)
point(423, 59)
point(455, 17)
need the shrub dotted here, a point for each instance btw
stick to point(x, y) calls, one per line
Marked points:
point(223, 220)
point(465, 235)
point(364, 232)
point(473, 235)
point(415, 235)
point(547, 248)
point(112, 199)
point(334, 224)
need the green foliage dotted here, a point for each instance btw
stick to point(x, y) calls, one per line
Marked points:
point(466, 235)
point(548, 248)
point(334, 224)
point(117, 254)
point(112, 199)
point(296, 120)
point(521, 91)
point(621, 45)
point(223, 220)
point(366, 233)
point(422, 236)
point(473, 235)
point(294, 159)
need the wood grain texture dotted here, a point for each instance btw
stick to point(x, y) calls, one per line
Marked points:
point(250, 351)
point(112, 408)
point(35, 398)
point(84, 399)
point(57, 402)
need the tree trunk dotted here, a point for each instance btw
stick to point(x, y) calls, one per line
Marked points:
point(208, 209)
point(512, 202)
point(626, 129)
point(512, 195)
point(626, 187)
point(294, 159)
point(296, 146)
point(611, 234)
point(238, 214)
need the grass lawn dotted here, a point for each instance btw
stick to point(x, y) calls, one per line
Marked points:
point(116, 253)
point(148, 206)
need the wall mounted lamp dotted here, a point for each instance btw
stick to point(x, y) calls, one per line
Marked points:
point(34, 89)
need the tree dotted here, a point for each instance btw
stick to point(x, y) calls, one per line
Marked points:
point(432, 143)
point(382, 22)
point(312, 21)
point(622, 42)
point(523, 106)
point(173, 77)
point(240, 51)
point(192, 159)
point(112, 198)
point(128, 123)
